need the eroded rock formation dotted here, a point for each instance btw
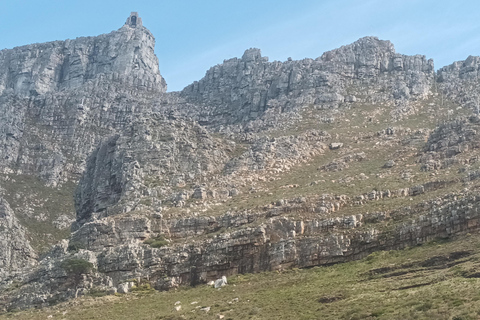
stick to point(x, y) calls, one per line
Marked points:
point(245, 88)
point(258, 166)
point(16, 253)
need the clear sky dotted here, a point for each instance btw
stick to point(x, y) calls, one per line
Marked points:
point(194, 35)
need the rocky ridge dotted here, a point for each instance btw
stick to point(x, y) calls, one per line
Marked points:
point(258, 166)
point(246, 88)
point(58, 100)
point(76, 90)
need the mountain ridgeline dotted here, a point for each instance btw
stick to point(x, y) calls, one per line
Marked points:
point(257, 166)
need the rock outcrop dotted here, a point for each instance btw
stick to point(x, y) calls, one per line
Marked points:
point(242, 171)
point(466, 70)
point(16, 253)
point(243, 89)
point(59, 99)
point(275, 244)
point(450, 143)
point(153, 157)
point(460, 82)
point(125, 54)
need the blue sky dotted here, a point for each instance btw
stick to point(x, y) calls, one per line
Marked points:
point(194, 35)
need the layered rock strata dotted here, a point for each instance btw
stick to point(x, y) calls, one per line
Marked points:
point(114, 246)
point(16, 253)
point(59, 99)
point(245, 88)
point(150, 163)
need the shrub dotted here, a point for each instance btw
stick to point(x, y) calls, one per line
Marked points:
point(156, 242)
point(75, 268)
point(13, 286)
point(143, 288)
point(96, 293)
point(75, 246)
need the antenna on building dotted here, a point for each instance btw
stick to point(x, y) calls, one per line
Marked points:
point(134, 20)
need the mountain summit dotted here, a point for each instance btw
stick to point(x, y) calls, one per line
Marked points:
point(108, 182)
point(123, 55)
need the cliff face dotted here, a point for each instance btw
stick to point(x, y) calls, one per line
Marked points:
point(114, 246)
point(460, 82)
point(74, 91)
point(61, 65)
point(58, 100)
point(258, 166)
point(467, 69)
point(16, 253)
point(127, 172)
point(245, 88)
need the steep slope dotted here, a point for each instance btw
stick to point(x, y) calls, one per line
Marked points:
point(258, 166)
point(16, 251)
point(58, 100)
point(61, 65)
point(55, 95)
point(243, 89)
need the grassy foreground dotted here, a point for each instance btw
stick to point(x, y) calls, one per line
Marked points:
point(439, 280)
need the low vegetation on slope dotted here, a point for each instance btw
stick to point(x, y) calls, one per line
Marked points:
point(46, 212)
point(258, 166)
point(439, 280)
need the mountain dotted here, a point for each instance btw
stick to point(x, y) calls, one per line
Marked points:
point(259, 166)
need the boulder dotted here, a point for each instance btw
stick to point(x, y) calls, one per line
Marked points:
point(220, 282)
point(335, 145)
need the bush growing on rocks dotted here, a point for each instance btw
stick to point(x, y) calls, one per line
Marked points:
point(75, 268)
point(156, 242)
point(75, 246)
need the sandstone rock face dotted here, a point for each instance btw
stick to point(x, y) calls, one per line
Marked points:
point(467, 69)
point(59, 99)
point(41, 68)
point(153, 156)
point(450, 139)
point(460, 82)
point(16, 253)
point(245, 88)
point(187, 187)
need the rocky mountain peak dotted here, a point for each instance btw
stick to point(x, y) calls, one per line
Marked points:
point(370, 56)
point(242, 90)
point(467, 69)
point(460, 82)
point(252, 54)
point(258, 166)
point(92, 80)
point(125, 55)
point(134, 21)
point(373, 42)
point(364, 47)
